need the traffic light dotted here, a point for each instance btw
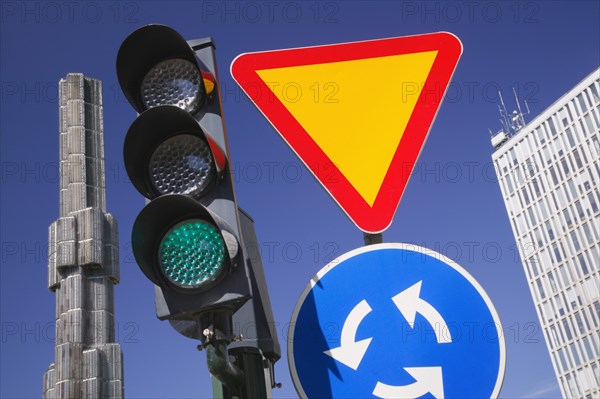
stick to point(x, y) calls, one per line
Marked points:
point(187, 240)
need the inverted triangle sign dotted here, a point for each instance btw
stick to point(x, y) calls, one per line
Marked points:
point(357, 114)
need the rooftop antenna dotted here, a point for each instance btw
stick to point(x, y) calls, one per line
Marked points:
point(504, 114)
point(512, 123)
point(518, 118)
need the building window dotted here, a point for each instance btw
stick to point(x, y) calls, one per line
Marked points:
point(568, 108)
point(588, 233)
point(544, 209)
point(509, 185)
point(553, 337)
point(580, 325)
point(573, 350)
point(525, 196)
point(532, 217)
point(580, 211)
point(554, 201)
point(575, 241)
point(545, 260)
point(593, 202)
point(567, 329)
point(570, 137)
point(538, 237)
point(596, 143)
point(549, 231)
point(565, 275)
point(597, 308)
point(530, 168)
point(563, 361)
point(583, 263)
point(578, 161)
point(595, 115)
point(520, 224)
point(533, 266)
point(588, 348)
point(565, 166)
point(552, 281)
point(553, 175)
point(541, 288)
point(572, 385)
point(548, 312)
point(595, 94)
point(595, 254)
point(536, 188)
point(552, 128)
point(564, 116)
point(561, 308)
point(582, 103)
point(556, 251)
point(562, 200)
point(589, 123)
point(567, 217)
point(595, 373)
point(547, 154)
point(572, 189)
point(592, 288)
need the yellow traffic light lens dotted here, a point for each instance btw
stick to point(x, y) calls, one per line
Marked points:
point(192, 253)
point(182, 164)
point(173, 82)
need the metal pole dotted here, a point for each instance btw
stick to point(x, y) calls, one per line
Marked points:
point(371, 239)
point(220, 366)
point(227, 378)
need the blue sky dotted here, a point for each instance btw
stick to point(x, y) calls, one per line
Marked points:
point(452, 203)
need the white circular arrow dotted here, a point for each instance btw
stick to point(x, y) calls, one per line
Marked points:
point(427, 379)
point(351, 352)
point(409, 303)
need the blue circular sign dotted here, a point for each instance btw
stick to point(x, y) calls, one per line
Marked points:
point(395, 321)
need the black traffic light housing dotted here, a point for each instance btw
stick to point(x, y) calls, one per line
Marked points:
point(191, 238)
point(141, 54)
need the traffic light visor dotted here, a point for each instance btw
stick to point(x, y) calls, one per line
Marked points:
point(178, 242)
point(167, 152)
point(156, 66)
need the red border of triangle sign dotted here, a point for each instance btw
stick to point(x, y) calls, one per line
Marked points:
point(376, 215)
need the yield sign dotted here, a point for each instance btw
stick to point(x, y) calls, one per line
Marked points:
point(357, 114)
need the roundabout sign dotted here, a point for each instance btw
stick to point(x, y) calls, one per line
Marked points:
point(395, 321)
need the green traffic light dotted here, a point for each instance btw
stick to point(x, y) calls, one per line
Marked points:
point(192, 253)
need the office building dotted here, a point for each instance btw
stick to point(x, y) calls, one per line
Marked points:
point(549, 175)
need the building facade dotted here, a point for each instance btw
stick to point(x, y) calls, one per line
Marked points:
point(549, 175)
point(83, 262)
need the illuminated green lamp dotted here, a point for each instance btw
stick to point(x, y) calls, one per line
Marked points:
point(192, 253)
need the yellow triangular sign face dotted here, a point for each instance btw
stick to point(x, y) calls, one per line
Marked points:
point(357, 114)
point(356, 111)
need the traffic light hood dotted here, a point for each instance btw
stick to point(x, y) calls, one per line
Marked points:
point(144, 49)
point(147, 132)
point(157, 218)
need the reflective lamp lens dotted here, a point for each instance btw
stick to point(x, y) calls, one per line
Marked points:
point(182, 164)
point(173, 82)
point(192, 253)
